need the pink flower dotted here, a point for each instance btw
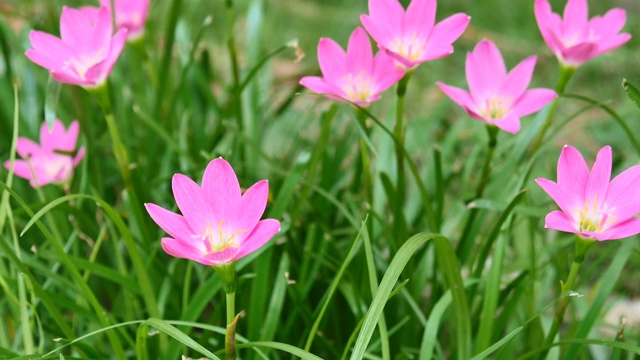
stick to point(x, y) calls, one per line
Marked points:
point(495, 96)
point(218, 225)
point(412, 37)
point(53, 160)
point(591, 206)
point(576, 39)
point(86, 51)
point(130, 15)
point(355, 76)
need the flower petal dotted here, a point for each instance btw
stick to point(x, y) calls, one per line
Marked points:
point(624, 189)
point(332, 60)
point(359, 54)
point(99, 73)
point(598, 181)
point(263, 232)
point(531, 101)
point(179, 249)
point(556, 193)
point(173, 224)
point(608, 25)
point(518, 79)
point(576, 16)
point(48, 51)
point(79, 156)
point(485, 70)
point(319, 86)
point(557, 220)
point(225, 256)
point(192, 203)
point(221, 189)
point(628, 228)
point(509, 123)
point(420, 17)
point(573, 173)
point(444, 34)
point(25, 148)
point(548, 23)
point(460, 96)
point(251, 207)
point(54, 138)
point(388, 14)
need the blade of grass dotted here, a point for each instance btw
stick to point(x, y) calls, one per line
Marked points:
point(451, 272)
point(607, 284)
point(334, 286)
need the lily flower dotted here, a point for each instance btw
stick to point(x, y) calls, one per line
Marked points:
point(591, 206)
point(495, 96)
point(355, 76)
point(412, 37)
point(218, 225)
point(86, 50)
point(53, 160)
point(575, 39)
point(129, 14)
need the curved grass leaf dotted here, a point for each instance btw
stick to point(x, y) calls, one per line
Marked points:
point(451, 270)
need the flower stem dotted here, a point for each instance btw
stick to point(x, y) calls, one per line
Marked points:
point(228, 274)
point(366, 162)
point(230, 335)
point(466, 243)
point(581, 247)
point(563, 80)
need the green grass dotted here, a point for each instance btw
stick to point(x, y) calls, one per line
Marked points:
point(83, 276)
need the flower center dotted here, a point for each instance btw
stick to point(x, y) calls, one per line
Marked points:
point(410, 48)
point(82, 63)
point(495, 108)
point(216, 241)
point(591, 219)
point(358, 88)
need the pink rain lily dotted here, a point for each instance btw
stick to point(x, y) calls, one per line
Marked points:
point(86, 51)
point(576, 39)
point(218, 225)
point(130, 15)
point(412, 37)
point(355, 76)
point(591, 206)
point(53, 160)
point(495, 96)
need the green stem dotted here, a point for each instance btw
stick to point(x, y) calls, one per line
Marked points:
point(230, 336)
point(563, 80)
point(228, 274)
point(366, 161)
point(466, 243)
point(101, 94)
point(582, 245)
